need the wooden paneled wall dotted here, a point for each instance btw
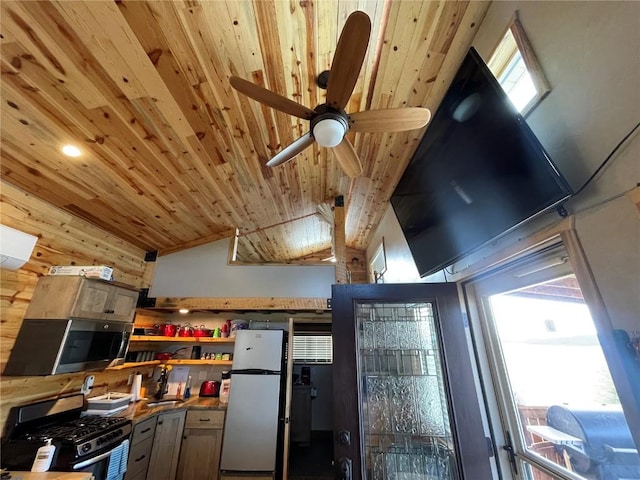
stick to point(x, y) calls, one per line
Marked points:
point(63, 239)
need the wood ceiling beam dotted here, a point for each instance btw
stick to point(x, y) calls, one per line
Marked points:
point(339, 239)
point(239, 304)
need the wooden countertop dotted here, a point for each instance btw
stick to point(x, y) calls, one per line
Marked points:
point(139, 411)
point(50, 476)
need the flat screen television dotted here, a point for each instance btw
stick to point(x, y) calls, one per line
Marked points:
point(478, 173)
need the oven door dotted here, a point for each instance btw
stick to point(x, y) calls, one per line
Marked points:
point(99, 465)
point(93, 345)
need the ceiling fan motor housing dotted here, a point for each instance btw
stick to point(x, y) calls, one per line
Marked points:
point(329, 125)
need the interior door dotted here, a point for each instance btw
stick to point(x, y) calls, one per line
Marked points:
point(405, 402)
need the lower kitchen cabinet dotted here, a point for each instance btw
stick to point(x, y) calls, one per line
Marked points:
point(166, 446)
point(140, 449)
point(201, 445)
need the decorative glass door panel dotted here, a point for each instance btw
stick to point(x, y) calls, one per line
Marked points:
point(405, 404)
point(406, 426)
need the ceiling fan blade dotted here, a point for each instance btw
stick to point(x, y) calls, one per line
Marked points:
point(348, 59)
point(270, 98)
point(291, 151)
point(389, 120)
point(348, 158)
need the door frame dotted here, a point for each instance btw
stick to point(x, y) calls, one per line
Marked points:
point(472, 456)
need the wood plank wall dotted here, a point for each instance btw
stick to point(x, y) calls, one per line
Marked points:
point(63, 239)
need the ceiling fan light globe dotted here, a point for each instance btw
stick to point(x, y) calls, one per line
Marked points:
point(329, 132)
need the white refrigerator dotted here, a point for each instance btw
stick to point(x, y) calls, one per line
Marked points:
point(252, 440)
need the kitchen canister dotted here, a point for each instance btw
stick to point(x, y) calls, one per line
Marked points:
point(196, 352)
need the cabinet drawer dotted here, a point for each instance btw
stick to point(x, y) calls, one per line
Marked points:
point(205, 419)
point(140, 476)
point(143, 430)
point(139, 456)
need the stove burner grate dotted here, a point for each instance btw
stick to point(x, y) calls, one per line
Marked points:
point(77, 430)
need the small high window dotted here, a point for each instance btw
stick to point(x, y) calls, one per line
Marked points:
point(517, 69)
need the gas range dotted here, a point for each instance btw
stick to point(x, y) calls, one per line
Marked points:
point(84, 435)
point(77, 438)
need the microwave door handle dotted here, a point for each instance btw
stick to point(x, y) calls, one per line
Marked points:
point(93, 460)
point(56, 363)
point(124, 342)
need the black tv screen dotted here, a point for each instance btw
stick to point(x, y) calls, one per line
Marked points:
point(478, 172)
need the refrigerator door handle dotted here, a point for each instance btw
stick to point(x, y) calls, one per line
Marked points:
point(254, 371)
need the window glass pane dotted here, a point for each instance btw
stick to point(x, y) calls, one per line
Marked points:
point(568, 409)
point(407, 432)
point(517, 83)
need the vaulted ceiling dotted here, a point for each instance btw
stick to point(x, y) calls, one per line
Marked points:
point(173, 156)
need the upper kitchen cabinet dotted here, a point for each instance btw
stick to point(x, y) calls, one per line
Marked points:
point(79, 297)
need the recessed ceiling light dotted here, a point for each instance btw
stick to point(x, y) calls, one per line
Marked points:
point(184, 310)
point(71, 151)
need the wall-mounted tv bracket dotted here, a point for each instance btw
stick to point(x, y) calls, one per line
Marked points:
point(560, 210)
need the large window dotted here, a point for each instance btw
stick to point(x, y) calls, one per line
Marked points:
point(560, 409)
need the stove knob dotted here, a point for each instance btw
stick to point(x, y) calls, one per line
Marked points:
point(86, 447)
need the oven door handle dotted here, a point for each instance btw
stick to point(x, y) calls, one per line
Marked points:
point(93, 460)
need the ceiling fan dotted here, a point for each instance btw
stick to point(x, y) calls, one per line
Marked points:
point(329, 121)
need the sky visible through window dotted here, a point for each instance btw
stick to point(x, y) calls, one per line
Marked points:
point(517, 83)
point(552, 352)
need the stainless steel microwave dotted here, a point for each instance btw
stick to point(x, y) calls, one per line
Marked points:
point(51, 346)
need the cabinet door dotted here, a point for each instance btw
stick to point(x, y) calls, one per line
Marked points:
point(200, 454)
point(166, 446)
point(93, 300)
point(122, 304)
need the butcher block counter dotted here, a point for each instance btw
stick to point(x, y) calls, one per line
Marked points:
point(138, 411)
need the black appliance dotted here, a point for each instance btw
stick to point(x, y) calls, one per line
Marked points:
point(478, 172)
point(53, 346)
point(606, 448)
point(83, 443)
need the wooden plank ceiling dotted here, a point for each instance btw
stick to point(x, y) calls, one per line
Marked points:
point(171, 155)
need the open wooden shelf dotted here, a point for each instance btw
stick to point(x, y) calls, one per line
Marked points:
point(177, 361)
point(134, 365)
point(158, 338)
point(186, 361)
